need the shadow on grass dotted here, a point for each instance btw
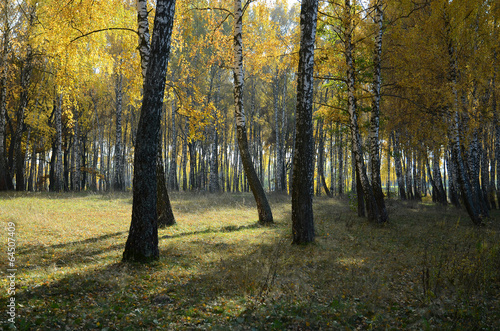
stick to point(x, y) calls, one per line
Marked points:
point(138, 297)
point(225, 229)
point(72, 243)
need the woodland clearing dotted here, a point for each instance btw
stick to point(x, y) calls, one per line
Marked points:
point(428, 268)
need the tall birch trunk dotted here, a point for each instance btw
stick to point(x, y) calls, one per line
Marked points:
point(164, 210)
point(303, 171)
point(263, 207)
point(214, 153)
point(118, 180)
point(374, 139)
point(277, 128)
point(142, 241)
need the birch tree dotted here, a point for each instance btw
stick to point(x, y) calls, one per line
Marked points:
point(303, 166)
point(263, 207)
point(164, 208)
point(142, 242)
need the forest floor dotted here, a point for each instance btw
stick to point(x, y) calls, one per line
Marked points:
point(429, 268)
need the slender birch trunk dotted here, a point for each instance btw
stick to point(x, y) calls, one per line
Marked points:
point(374, 139)
point(214, 153)
point(76, 175)
point(172, 173)
point(277, 128)
point(340, 160)
point(118, 180)
point(263, 207)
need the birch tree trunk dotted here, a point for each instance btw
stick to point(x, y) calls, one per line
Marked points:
point(172, 173)
point(341, 161)
point(32, 172)
point(213, 185)
point(321, 158)
point(184, 156)
point(471, 204)
point(40, 182)
point(118, 180)
point(278, 169)
point(374, 139)
point(263, 207)
point(441, 193)
point(142, 242)
point(164, 209)
point(374, 212)
point(76, 176)
point(58, 171)
point(303, 171)
point(397, 165)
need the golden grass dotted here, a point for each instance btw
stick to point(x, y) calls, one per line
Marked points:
point(427, 268)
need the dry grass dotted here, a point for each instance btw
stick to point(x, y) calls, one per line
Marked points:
point(428, 268)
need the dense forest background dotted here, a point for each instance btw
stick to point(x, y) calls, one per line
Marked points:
point(421, 76)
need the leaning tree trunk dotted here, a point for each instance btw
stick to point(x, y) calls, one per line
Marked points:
point(303, 165)
point(471, 204)
point(142, 242)
point(164, 210)
point(263, 207)
point(321, 158)
point(163, 207)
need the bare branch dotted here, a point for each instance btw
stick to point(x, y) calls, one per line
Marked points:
point(101, 30)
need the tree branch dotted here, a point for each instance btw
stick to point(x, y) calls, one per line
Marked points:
point(101, 30)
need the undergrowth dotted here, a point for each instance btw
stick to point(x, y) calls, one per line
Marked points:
point(429, 268)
